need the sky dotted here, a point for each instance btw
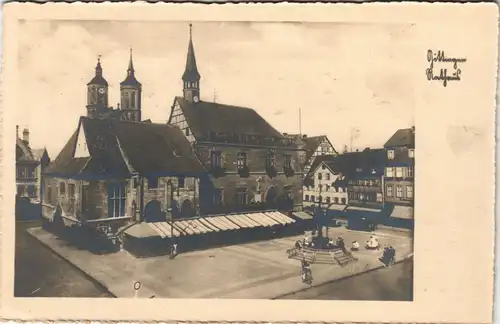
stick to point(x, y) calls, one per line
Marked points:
point(341, 76)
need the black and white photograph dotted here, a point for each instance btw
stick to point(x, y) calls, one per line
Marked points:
point(275, 160)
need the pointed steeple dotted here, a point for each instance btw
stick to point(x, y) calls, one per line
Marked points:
point(98, 68)
point(130, 64)
point(130, 80)
point(98, 78)
point(191, 73)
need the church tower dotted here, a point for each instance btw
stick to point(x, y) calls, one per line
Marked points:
point(97, 93)
point(191, 77)
point(130, 93)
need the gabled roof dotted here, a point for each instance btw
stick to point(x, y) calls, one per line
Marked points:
point(121, 148)
point(370, 162)
point(312, 144)
point(206, 117)
point(23, 151)
point(39, 153)
point(402, 137)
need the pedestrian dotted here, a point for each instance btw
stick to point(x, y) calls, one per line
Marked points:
point(355, 246)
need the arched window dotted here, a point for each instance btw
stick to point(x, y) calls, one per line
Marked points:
point(94, 96)
point(126, 100)
point(132, 100)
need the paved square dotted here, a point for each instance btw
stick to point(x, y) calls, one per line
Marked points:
point(254, 270)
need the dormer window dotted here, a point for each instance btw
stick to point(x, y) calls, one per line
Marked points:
point(271, 165)
point(288, 168)
point(288, 162)
point(216, 159)
point(390, 155)
point(242, 160)
point(242, 164)
point(270, 161)
point(411, 153)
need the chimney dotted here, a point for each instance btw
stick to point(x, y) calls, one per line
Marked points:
point(304, 136)
point(413, 129)
point(285, 134)
point(17, 131)
point(26, 135)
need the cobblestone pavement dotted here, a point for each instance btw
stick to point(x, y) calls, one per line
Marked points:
point(253, 270)
point(39, 272)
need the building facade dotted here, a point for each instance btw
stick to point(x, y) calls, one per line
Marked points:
point(317, 146)
point(251, 166)
point(327, 187)
point(130, 106)
point(400, 172)
point(30, 163)
point(365, 181)
point(112, 173)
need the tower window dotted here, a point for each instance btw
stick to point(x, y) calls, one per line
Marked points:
point(132, 100)
point(126, 101)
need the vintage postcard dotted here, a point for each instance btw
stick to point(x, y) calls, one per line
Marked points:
point(248, 162)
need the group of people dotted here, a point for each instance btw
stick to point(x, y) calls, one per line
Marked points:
point(389, 256)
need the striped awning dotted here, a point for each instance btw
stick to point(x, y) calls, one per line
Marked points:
point(164, 229)
point(280, 218)
point(365, 209)
point(142, 230)
point(405, 212)
point(211, 224)
point(303, 215)
point(337, 207)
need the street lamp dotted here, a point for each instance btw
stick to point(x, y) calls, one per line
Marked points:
point(170, 188)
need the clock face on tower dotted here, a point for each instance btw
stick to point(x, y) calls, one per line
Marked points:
point(196, 99)
point(101, 90)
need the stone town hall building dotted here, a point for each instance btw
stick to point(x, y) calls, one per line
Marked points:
point(123, 174)
point(251, 165)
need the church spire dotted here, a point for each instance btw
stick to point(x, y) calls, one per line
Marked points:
point(191, 76)
point(98, 68)
point(130, 64)
point(191, 71)
point(130, 80)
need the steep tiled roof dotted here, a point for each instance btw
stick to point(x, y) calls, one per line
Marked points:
point(349, 163)
point(205, 117)
point(120, 148)
point(312, 144)
point(38, 153)
point(402, 137)
point(23, 151)
point(371, 162)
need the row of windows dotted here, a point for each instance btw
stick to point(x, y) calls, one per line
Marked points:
point(326, 176)
point(26, 191)
point(370, 183)
point(153, 182)
point(327, 188)
point(399, 191)
point(328, 200)
point(391, 154)
point(217, 160)
point(366, 196)
point(241, 196)
point(399, 172)
point(190, 85)
point(25, 172)
point(129, 101)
